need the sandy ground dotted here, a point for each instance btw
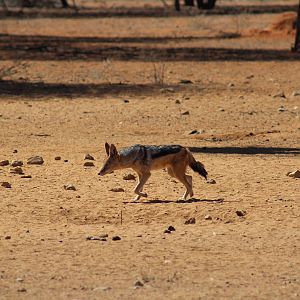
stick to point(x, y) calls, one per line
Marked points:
point(65, 97)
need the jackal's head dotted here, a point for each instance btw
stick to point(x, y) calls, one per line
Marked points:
point(112, 162)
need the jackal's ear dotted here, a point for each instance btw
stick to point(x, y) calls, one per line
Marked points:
point(113, 150)
point(107, 148)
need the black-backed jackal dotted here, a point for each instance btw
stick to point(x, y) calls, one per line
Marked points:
point(143, 159)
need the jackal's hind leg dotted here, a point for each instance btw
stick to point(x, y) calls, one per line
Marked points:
point(183, 178)
point(139, 187)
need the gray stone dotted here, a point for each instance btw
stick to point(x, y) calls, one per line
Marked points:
point(190, 221)
point(35, 160)
point(89, 157)
point(6, 185)
point(4, 163)
point(117, 190)
point(69, 187)
point(129, 177)
point(17, 163)
point(88, 164)
point(17, 170)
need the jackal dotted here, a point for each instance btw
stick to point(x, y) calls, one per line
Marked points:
point(143, 159)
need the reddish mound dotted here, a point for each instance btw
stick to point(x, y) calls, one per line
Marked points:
point(284, 24)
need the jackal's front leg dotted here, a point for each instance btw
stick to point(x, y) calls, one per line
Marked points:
point(139, 187)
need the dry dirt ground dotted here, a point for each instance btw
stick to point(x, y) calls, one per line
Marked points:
point(64, 82)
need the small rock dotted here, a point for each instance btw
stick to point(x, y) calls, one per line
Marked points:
point(15, 151)
point(230, 84)
point(17, 163)
point(295, 174)
point(186, 113)
point(221, 109)
point(96, 238)
point(296, 93)
point(279, 95)
point(17, 170)
point(8, 237)
point(65, 160)
point(208, 217)
point(185, 81)
point(167, 231)
point(167, 90)
point(129, 177)
point(4, 163)
point(117, 190)
point(171, 228)
point(57, 158)
point(102, 288)
point(35, 160)
point(211, 181)
point(88, 164)
point(281, 109)
point(22, 290)
point(190, 221)
point(104, 235)
point(177, 101)
point(116, 238)
point(240, 213)
point(126, 101)
point(69, 187)
point(19, 279)
point(89, 157)
point(138, 284)
point(6, 185)
point(26, 176)
point(195, 131)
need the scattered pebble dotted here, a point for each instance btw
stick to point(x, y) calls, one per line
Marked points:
point(6, 185)
point(88, 164)
point(190, 221)
point(186, 113)
point(4, 163)
point(89, 157)
point(138, 284)
point(15, 151)
point(104, 235)
point(17, 163)
point(57, 158)
point(69, 187)
point(102, 288)
point(241, 213)
point(117, 190)
point(19, 279)
point(26, 176)
point(195, 131)
point(167, 231)
point(279, 95)
point(296, 93)
point(35, 160)
point(129, 177)
point(185, 81)
point(221, 109)
point(281, 109)
point(126, 101)
point(8, 237)
point(116, 238)
point(17, 170)
point(177, 101)
point(167, 90)
point(211, 181)
point(96, 238)
point(171, 228)
point(22, 290)
point(230, 84)
point(294, 174)
point(208, 217)
point(66, 160)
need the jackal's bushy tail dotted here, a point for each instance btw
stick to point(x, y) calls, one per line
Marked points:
point(197, 166)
